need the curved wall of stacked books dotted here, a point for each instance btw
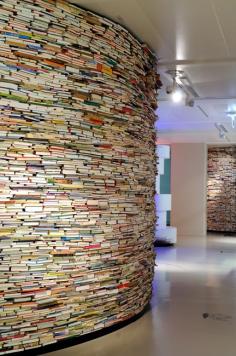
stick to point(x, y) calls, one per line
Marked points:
point(77, 173)
point(221, 198)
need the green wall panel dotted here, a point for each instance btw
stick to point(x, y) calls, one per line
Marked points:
point(165, 183)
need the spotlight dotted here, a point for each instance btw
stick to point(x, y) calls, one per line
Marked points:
point(181, 88)
point(177, 96)
point(222, 135)
point(174, 90)
point(169, 89)
point(232, 116)
point(189, 101)
point(222, 131)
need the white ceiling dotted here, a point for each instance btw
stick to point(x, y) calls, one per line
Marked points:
point(198, 37)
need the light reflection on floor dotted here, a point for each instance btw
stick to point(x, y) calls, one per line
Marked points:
point(190, 282)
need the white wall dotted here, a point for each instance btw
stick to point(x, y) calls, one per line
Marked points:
point(189, 189)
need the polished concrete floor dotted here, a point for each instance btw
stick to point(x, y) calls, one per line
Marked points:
point(193, 309)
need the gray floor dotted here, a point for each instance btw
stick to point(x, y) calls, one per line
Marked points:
point(189, 281)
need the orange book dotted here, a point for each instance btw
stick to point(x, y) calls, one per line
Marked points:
point(54, 64)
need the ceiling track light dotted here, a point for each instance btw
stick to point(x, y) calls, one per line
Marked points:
point(221, 135)
point(189, 101)
point(177, 89)
point(175, 73)
point(222, 132)
point(221, 127)
point(177, 96)
point(232, 116)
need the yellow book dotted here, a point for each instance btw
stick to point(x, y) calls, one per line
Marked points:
point(106, 70)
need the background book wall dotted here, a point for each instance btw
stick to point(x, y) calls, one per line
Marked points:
point(222, 189)
point(77, 173)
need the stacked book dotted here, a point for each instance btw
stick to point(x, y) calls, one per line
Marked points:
point(222, 189)
point(77, 173)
